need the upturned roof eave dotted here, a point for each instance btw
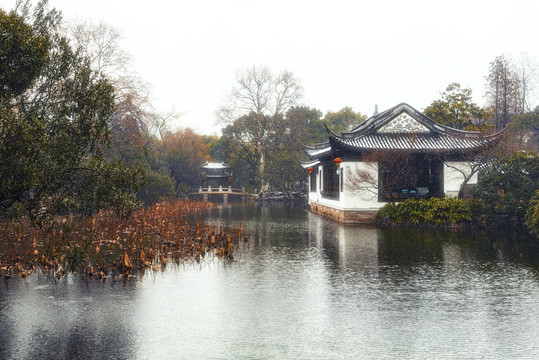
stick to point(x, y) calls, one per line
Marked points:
point(315, 146)
point(319, 153)
point(307, 164)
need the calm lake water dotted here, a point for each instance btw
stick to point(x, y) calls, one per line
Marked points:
point(303, 288)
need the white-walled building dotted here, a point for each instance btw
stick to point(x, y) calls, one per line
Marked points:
point(396, 154)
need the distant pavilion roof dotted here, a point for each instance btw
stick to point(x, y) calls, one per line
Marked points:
point(215, 165)
point(400, 128)
point(216, 170)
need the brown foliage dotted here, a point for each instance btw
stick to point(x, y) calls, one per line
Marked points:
point(114, 247)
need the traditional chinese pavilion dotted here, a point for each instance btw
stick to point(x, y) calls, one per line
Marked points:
point(393, 155)
point(215, 175)
point(216, 184)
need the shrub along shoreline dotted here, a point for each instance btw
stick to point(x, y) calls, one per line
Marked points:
point(506, 198)
point(446, 213)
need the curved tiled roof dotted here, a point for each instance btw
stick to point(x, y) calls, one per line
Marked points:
point(306, 164)
point(378, 121)
point(403, 141)
point(313, 152)
point(400, 128)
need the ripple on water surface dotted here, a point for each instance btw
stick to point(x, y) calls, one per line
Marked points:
point(304, 287)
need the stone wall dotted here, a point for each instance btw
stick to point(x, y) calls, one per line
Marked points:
point(345, 216)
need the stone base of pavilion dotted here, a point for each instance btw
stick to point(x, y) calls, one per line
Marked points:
point(345, 216)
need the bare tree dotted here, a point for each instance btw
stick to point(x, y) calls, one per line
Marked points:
point(160, 124)
point(262, 98)
point(504, 92)
point(100, 44)
point(360, 180)
point(382, 172)
point(528, 72)
point(469, 169)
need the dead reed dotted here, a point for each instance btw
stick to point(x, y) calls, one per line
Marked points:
point(105, 246)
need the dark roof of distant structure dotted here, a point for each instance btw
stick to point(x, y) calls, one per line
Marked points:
point(400, 128)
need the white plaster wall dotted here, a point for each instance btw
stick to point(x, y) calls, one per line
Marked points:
point(316, 195)
point(453, 177)
point(364, 198)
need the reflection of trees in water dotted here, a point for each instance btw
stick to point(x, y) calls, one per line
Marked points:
point(408, 247)
point(411, 247)
point(356, 247)
point(280, 223)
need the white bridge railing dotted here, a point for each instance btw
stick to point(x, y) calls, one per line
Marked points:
point(221, 189)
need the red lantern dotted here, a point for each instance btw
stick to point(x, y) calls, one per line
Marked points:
point(229, 178)
point(337, 161)
point(310, 169)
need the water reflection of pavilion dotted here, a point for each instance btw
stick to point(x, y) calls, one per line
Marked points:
point(351, 246)
point(365, 246)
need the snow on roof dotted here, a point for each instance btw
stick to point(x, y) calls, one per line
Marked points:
point(215, 165)
point(307, 164)
point(404, 141)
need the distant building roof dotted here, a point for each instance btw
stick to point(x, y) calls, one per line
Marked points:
point(215, 165)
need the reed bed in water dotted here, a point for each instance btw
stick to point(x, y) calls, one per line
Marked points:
point(105, 246)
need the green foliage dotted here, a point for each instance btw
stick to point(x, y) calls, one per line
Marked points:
point(507, 187)
point(456, 109)
point(183, 153)
point(239, 143)
point(528, 121)
point(343, 120)
point(305, 125)
point(212, 144)
point(434, 211)
point(23, 54)
point(283, 169)
point(532, 215)
point(280, 149)
point(158, 186)
point(54, 123)
point(525, 130)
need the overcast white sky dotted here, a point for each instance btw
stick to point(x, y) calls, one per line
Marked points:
point(346, 53)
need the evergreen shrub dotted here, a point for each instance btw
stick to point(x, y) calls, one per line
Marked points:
point(532, 216)
point(433, 211)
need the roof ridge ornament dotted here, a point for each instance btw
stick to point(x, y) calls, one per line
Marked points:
point(403, 123)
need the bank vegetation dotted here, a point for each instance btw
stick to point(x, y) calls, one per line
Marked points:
point(506, 197)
